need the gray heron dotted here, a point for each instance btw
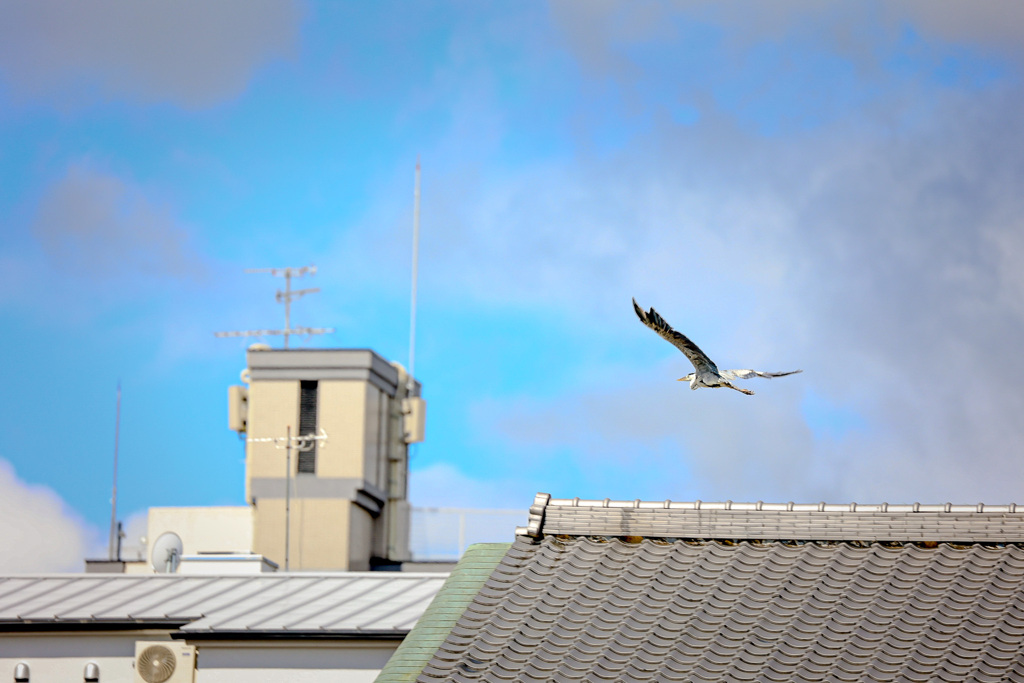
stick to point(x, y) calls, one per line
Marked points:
point(706, 372)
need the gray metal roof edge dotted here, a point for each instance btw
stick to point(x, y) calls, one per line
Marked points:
point(280, 634)
point(175, 625)
point(278, 576)
point(92, 625)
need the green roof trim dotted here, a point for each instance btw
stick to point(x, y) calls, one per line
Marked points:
point(465, 581)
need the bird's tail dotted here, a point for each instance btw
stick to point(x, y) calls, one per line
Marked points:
point(748, 374)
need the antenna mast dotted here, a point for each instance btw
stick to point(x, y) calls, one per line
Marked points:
point(284, 297)
point(300, 443)
point(114, 552)
point(415, 264)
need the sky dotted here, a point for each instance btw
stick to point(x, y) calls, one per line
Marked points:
point(834, 187)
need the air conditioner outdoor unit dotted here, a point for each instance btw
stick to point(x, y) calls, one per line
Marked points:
point(164, 661)
point(238, 409)
point(414, 410)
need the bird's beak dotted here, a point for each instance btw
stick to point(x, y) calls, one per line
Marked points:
point(683, 379)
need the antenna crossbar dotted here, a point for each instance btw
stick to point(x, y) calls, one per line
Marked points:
point(295, 294)
point(301, 443)
point(286, 298)
point(297, 331)
point(285, 272)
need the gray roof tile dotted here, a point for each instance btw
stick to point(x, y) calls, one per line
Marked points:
point(630, 590)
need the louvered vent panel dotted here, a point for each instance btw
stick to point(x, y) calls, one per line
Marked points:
point(307, 424)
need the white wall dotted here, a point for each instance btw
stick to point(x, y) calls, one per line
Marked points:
point(204, 529)
point(299, 661)
point(61, 658)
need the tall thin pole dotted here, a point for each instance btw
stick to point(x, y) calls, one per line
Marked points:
point(288, 498)
point(287, 304)
point(415, 268)
point(462, 532)
point(114, 550)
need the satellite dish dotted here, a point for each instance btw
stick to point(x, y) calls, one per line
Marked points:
point(166, 553)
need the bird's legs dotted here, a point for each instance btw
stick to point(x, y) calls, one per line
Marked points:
point(692, 379)
point(748, 392)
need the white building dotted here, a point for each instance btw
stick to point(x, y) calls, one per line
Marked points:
point(302, 628)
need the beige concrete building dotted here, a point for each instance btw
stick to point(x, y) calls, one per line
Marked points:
point(339, 500)
point(333, 496)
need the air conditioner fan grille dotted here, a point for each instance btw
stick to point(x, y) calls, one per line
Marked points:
point(156, 664)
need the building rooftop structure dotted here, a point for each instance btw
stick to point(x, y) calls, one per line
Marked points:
point(329, 605)
point(667, 591)
point(257, 628)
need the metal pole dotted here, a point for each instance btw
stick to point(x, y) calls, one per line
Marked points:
point(415, 268)
point(287, 304)
point(114, 540)
point(284, 297)
point(288, 498)
point(462, 532)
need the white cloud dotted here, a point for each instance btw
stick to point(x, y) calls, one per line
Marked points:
point(443, 485)
point(598, 31)
point(97, 241)
point(96, 224)
point(453, 510)
point(189, 52)
point(38, 532)
point(879, 257)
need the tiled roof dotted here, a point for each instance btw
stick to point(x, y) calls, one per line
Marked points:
point(655, 601)
point(458, 591)
point(374, 604)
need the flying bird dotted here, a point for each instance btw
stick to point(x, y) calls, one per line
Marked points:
point(706, 372)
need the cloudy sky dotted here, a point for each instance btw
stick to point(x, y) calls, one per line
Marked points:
point(835, 187)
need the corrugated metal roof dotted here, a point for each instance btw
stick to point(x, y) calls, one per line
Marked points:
point(350, 602)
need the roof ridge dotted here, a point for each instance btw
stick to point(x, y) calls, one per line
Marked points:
point(776, 507)
point(729, 519)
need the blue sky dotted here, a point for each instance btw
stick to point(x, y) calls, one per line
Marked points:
point(829, 186)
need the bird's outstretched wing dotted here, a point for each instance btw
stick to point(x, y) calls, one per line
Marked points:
point(653, 320)
point(747, 374)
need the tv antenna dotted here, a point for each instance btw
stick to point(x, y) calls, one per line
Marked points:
point(284, 297)
point(299, 443)
point(114, 551)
